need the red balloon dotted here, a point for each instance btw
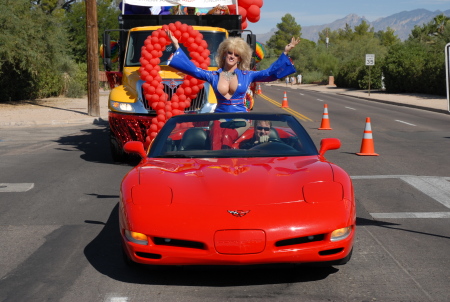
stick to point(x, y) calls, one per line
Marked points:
point(182, 98)
point(183, 28)
point(188, 90)
point(155, 33)
point(243, 13)
point(161, 124)
point(195, 89)
point(194, 81)
point(153, 128)
point(204, 65)
point(258, 3)
point(180, 91)
point(172, 27)
point(161, 118)
point(148, 78)
point(184, 37)
point(161, 105)
point(153, 135)
point(175, 105)
point(244, 25)
point(159, 91)
point(163, 97)
point(232, 9)
point(254, 20)
point(245, 3)
point(169, 114)
point(253, 11)
point(178, 24)
point(177, 34)
point(155, 98)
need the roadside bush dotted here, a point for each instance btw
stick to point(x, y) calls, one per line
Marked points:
point(314, 77)
point(415, 67)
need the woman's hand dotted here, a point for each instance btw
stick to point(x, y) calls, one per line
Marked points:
point(294, 41)
point(173, 39)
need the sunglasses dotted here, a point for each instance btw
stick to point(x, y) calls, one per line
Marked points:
point(262, 128)
point(232, 53)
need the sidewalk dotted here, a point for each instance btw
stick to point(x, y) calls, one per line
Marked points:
point(422, 101)
point(68, 111)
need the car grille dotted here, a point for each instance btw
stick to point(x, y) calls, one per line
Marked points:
point(170, 87)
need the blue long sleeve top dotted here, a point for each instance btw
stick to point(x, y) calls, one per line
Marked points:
point(280, 68)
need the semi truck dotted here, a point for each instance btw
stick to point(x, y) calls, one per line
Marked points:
point(130, 113)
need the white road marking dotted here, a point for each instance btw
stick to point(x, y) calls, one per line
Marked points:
point(15, 187)
point(320, 100)
point(411, 215)
point(301, 94)
point(405, 123)
point(435, 187)
point(350, 108)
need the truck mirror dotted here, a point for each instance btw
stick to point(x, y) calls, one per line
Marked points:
point(251, 40)
point(107, 51)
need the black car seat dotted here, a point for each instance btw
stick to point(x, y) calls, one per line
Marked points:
point(195, 139)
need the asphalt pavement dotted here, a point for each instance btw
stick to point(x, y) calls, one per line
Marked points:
point(72, 111)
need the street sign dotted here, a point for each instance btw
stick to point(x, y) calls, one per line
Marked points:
point(447, 72)
point(370, 59)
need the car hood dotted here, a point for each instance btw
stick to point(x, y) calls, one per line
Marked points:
point(233, 181)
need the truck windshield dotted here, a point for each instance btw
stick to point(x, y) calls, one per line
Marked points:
point(137, 38)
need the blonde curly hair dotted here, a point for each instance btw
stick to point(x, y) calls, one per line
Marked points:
point(238, 46)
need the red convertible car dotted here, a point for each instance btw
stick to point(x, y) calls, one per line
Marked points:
point(236, 189)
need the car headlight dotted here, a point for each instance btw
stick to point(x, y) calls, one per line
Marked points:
point(127, 107)
point(136, 237)
point(341, 234)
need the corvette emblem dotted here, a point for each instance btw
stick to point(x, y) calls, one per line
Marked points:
point(238, 213)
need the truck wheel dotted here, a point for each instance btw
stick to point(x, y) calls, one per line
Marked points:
point(118, 155)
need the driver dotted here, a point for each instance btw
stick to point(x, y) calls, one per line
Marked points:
point(260, 135)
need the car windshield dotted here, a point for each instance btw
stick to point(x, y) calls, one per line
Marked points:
point(137, 39)
point(232, 135)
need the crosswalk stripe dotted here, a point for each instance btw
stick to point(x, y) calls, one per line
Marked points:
point(15, 187)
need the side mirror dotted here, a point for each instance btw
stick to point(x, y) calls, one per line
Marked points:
point(136, 148)
point(251, 40)
point(107, 51)
point(328, 144)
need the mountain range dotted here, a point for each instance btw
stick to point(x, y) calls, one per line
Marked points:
point(402, 23)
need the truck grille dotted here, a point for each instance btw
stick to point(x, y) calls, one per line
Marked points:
point(170, 87)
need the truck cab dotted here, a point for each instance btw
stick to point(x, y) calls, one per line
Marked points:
point(130, 113)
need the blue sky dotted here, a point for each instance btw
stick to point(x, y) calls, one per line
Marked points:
point(310, 12)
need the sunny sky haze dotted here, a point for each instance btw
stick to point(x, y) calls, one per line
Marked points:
point(307, 12)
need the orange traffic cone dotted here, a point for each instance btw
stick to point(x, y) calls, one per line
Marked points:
point(259, 89)
point(284, 104)
point(367, 147)
point(325, 125)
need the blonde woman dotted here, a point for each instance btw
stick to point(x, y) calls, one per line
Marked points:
point(231, 81)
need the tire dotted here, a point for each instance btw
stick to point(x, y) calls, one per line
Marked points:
point(117, 153)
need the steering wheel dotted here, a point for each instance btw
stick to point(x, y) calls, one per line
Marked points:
point(273, 146)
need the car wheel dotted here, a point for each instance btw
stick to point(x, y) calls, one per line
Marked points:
point(118, 155)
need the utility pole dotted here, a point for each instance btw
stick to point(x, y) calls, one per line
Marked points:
point(92, 58)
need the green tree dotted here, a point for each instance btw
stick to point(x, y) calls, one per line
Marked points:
point(75, 23)
point(32, 50)
point(287, 29)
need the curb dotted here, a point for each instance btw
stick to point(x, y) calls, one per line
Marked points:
point(397, 103)
point(72, 122)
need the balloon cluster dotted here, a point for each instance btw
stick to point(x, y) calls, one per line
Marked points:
point(260, 52)
point(151, 53)
point(249, 10)
point(114, 51)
